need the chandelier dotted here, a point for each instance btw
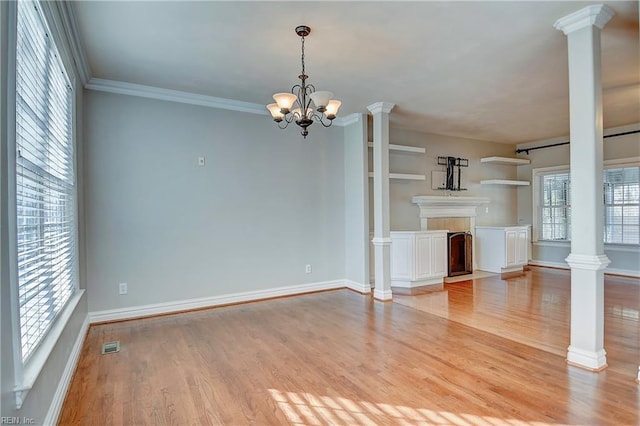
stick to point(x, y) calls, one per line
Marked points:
point(289, 107)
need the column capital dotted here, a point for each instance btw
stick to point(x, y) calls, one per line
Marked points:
point(379, 107)
point(597, 15)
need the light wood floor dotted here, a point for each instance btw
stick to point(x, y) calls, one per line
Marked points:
point(340, 358)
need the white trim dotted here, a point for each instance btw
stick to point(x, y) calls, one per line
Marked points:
point(382, 295)
point(206, 302)
point(587, 261)
point(624, 272)
point(595, 15)
point(70, 24)
point(359, 287)
point(608, 271)
point(547, 264)
point(381, 241)
point(608, 247)
point(65, 380)
point(348, 120)
point(151, 92)
point(381, 107)
point(591, 360)
point(34, 365)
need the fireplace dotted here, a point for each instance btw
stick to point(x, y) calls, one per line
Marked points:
point(460, 253)
point(434, 208)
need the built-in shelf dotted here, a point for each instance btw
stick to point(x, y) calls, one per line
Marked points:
point(505, 182)
point(505, 161)
point(405, 148)
point(403, 176)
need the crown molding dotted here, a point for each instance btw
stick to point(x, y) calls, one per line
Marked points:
point(597, 15)
point(379, 107)
point(348, 120)
point(70, 24)
point(151, 92)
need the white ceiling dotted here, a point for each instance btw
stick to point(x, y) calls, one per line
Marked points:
point(482, 70)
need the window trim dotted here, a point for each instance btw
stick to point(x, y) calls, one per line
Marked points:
point(26, 373)
point(536, 173)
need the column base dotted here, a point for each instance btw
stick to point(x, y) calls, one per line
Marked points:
point(589, 360)
point(382, 295)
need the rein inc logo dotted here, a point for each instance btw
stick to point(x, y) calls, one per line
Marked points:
point(17, 421)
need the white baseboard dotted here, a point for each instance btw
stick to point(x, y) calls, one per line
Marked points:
point(67, 375)
point(608, 271)
point(559, 265)
point(359, 287)
point(207, 302)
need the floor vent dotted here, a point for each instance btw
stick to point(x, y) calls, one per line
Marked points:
point(111, 347)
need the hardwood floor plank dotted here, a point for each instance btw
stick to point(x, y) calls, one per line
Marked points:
point(341, 358)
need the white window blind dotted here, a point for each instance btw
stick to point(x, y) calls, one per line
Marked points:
point(45, 179)
point(556, 207)
point(622, 205)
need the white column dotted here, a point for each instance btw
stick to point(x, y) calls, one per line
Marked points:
point(381, 238)
point(587, 259)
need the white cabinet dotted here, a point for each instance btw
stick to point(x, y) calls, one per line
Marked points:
point(418, 258)
point(502, 249)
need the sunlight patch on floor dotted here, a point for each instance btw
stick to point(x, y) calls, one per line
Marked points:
point(303, 408)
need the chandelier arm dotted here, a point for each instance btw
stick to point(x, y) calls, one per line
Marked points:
point(320, 119)
point(286, 123)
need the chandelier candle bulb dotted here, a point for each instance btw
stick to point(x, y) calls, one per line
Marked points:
point(301, 97)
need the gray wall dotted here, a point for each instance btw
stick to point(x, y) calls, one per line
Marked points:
point(623, 259)
point(40, 396)
point(502, 209)
point(266, 204)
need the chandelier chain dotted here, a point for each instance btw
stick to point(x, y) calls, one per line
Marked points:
point(302, 57)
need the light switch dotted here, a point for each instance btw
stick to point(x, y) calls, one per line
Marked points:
point(201, 161)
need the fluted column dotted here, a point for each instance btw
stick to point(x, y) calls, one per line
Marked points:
point(587, 259)
point(381, 238)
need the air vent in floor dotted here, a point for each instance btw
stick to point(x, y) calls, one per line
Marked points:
point(111, 347)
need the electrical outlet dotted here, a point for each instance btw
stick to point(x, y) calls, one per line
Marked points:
point(307, 269)
point(122, 287)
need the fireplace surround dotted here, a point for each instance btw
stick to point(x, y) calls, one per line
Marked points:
point(432, 206)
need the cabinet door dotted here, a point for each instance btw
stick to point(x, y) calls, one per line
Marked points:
point(424, 254)
point(439, 255)
point(511, 247)
point(401, 257)
point(522, 247)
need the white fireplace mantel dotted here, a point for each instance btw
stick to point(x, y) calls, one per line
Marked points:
point(439, 206)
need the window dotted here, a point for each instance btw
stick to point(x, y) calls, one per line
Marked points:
point(45, 179)
point(621, 204)
point(556, 207)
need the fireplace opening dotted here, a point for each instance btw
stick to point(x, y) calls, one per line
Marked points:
point(459, 252)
